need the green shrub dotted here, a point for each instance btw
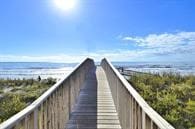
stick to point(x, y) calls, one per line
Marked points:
point(170, 94)
point(24, 92)
point(10, 105)
point(1, 91)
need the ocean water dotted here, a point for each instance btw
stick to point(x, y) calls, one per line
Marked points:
point(183, 68)
point(15, 70)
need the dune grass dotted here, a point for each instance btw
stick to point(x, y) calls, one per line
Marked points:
point(170, 94)
point(17, 94)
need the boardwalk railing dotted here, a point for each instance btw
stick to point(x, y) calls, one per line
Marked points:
point(133, 111)
point(53, 108)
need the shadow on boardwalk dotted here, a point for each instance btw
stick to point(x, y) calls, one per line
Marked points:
point(84, 114)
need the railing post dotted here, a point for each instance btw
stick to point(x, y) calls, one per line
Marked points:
point(36, 119)
point(26, 122)
point(117, 99)
point(143, 120)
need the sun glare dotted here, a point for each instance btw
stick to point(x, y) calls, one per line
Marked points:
point(65, 5)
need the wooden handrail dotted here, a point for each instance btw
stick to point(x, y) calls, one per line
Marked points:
point(132, 109)
point(51, 110)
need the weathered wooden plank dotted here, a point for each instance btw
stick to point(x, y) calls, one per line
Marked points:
point(93, 126)
point(95, 107)
point(94, 121)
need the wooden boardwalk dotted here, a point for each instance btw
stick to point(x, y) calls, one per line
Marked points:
point(95, 108)
point(86, 99)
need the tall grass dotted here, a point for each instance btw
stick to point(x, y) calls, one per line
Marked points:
point(21, 94)
point(170, 94)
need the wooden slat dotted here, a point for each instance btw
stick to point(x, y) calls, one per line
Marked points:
point(95, 107)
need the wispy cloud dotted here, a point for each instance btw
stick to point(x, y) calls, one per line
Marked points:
point(113, 55)
point(180, 45)
point(162, 40)
point(52, 58)
point(165, 43)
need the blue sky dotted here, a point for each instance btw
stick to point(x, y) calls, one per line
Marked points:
point(123, 30)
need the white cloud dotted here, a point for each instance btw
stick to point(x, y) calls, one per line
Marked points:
point(113, 55)
point(173, 46)
point(165, 43)
point(53, 58)
point(163, 40)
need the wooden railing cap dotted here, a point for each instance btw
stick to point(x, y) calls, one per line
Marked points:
point(154, 116)
point(29, 109)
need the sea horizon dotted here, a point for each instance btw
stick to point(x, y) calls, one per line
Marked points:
point(20, 70)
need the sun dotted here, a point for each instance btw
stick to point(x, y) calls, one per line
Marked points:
point(65, 5)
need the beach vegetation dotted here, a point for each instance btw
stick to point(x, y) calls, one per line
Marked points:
point(16, 94)
point(170, 94)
